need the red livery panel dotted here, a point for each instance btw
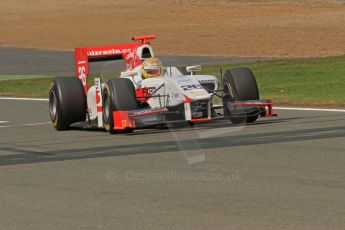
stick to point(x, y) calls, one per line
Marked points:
point(85, 55)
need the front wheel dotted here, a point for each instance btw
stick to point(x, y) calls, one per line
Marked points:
point(240, 85)
point(118, 95)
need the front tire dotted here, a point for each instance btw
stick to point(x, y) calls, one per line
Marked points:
point(240, 85)
point(67, 102)
point(118, 95)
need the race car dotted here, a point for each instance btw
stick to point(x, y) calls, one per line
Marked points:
point(149, 94)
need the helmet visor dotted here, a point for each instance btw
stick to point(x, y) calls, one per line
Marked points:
point(153, 71)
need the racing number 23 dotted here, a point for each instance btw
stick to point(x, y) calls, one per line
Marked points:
point(82, 75)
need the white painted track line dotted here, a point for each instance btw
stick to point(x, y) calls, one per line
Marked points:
point(310, 109)
point(2, 122)
point(23, 99)
point(23, 125)
point(277, 108)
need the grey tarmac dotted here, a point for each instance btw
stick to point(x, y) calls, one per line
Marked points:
point(285, 172)
point(20, 61)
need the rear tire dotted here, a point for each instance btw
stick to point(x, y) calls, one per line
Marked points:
point(118, 95)
point(67, 102)
point(240, 85)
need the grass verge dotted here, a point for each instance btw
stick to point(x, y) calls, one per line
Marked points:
point(33, 86)
point(308, 81)
point(30, 85)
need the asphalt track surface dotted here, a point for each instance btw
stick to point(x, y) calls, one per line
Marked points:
point(61, 63)
point(285, 172)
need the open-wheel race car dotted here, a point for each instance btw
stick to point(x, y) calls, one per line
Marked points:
point(148, 94)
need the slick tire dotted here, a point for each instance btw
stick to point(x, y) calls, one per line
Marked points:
point(239, 84)
point(118, 95)
point(67, 102)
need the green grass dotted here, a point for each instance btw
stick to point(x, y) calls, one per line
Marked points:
point(20, 77)
point(309, 81)
point(31, 85)
point(312, 81)
point(25, 87)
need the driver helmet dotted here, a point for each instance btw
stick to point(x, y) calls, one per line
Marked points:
point(152, 67)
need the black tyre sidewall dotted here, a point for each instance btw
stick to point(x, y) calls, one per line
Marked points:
point(240, 85)
point(71, 102)
point(108, 122)
point(121, 95)
point(57, 124)
point(243, 84)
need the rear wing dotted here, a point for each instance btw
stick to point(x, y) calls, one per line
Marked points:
point(86, 55)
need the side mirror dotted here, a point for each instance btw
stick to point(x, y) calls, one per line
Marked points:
point(135, 76)
point(129, 74)
point(193, 69)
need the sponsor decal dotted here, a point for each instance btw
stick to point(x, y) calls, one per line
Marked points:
point(124, 123)
point(151, 89)
point(129, 56)
point(131, 60)
point(184, 81)
point(197, 114)
point(199, 109)
point(191, 87)
point(82, 74)
point(207, 80)
point(98, 91)
point(109, 52)
point(198, 92)
point(174, 95)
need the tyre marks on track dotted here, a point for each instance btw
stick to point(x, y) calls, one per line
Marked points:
point(22, 125)
point(37, 155)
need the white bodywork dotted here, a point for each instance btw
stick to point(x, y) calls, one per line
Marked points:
point(174, 90)
point(95, 102)
point(173, 85)
point(171, 89)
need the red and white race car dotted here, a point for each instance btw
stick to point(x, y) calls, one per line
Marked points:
point(148, 94)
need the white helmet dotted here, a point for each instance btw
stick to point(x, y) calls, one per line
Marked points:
point(152, 67)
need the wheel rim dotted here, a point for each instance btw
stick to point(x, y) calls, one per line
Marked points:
point(52, 105)
point(228, 91)
point(106, 109)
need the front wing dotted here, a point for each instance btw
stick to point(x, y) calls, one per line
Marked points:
point(149, 117)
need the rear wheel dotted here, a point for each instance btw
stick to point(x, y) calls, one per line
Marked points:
point(118, 95)
point(240, 85)
point(67, 103)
